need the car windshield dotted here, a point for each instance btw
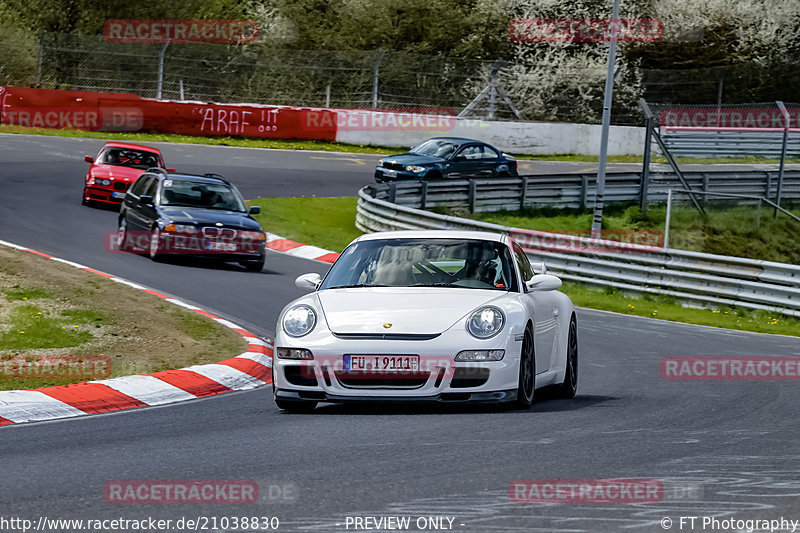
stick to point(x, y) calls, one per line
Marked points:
point(203, 194)
point(436, 148)
point(125, 157)
point(472, 264)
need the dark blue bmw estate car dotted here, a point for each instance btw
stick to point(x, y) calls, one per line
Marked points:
point(180, 214)
point(447, 157)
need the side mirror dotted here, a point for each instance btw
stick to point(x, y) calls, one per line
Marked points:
point(543, 282)
point(255, 210)
point(170, 170)
point(308, 281)
point(146, 199)
point(88, 159)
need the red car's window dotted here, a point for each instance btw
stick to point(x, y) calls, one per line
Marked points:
point(125, 157)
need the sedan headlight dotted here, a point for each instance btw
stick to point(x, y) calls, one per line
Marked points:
point(486, 322)
point(416, 169)
point(99, 181)
point(299, 321)
point(181, 228)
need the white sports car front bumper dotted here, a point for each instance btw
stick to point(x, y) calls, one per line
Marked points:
point(439, 378)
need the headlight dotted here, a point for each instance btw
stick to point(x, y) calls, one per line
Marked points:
point(253, 236)
point(294, 353)
point(415, 168)
point(99, 181)
point(299, 321)
point(182, 228)
point(486, 322)
point(480, 355)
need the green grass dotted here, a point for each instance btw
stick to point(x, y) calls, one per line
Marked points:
point(29, 327)
point(325, 222)
point(289, 144)
point(666, 308)
point(16, 294)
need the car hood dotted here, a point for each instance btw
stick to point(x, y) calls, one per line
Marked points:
point(424, 310)
point(118, 173)
point(412, 159)
point(195, 215)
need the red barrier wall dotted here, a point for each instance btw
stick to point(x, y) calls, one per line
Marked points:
point(128, 112)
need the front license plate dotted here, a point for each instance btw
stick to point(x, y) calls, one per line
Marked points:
point(117, 194)
point(389, 174)
point(221, 246)
point(381, 363)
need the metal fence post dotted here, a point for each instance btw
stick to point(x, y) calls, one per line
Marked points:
point(786, 119)
point(392, 192)
point(473, 187)
point(423, 201)
point(39, 62)
point(375, 79)
point(161, 69)
point(666, 223)
point(523, 196)
point(648, 139)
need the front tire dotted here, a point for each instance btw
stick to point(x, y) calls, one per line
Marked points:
point(526, 386)
point(253, 266)
point(295, 406)
point(154, 250)
point(122, 235)
point(569, 387)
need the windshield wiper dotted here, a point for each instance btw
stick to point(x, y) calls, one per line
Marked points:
point(357, 286)
point(440, 284)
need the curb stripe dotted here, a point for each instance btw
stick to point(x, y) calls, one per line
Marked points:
point(4, 422)
point(33, 405)
point(283, 245)
point(251, 367)
point(148, 389)
point(92, 397)
point(191, 382)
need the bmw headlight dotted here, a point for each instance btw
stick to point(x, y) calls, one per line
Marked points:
point(102, 181)
point(486, 322)
point(416, 169)
point(299, 321)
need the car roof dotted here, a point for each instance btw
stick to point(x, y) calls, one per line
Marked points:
point(192, 177)
point(435, 234)
point(133, 146)
point(457, 140)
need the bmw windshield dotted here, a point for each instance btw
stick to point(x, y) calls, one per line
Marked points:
point(202, 194)
point(436, 148)
point(472, 264)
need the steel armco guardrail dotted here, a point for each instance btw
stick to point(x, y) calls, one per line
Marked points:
point(730, 144)
point(578, 190)
point(694, 278)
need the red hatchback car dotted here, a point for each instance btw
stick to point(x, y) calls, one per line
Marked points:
point(115, 168)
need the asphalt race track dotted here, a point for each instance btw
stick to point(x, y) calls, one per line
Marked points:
point(730, 449)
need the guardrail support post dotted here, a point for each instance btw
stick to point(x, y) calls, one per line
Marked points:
point(666, 223)
point(787, 120)
point(392, 192)
point(423, 201)
point(473, 186)
point(648, 139)
point(584, 189)
point(523, 194)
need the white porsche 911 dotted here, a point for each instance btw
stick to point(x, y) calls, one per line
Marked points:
point(443, 316)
